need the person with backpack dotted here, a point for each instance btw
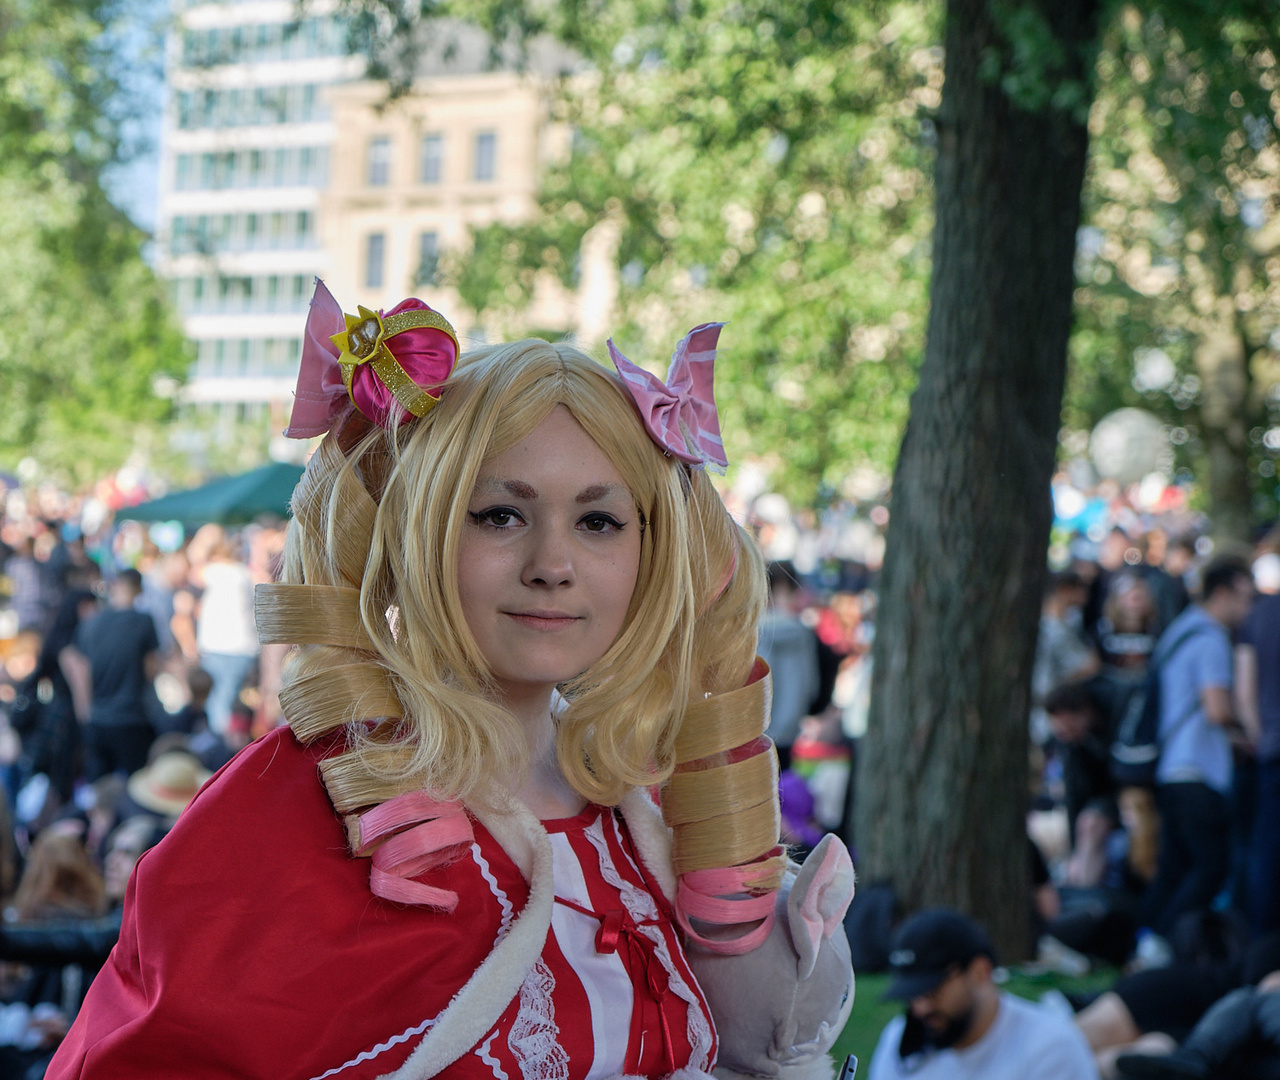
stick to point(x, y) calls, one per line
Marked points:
point(1193, 773)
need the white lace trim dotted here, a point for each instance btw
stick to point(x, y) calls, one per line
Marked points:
point(534, 1038)
point(369, 1055)
point(642, 907)
point(508, 912)
point(482, 1052)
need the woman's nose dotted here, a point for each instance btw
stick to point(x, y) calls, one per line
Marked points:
point(550, 561)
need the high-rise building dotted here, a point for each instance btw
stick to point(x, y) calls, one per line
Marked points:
point(279, 163)
point(246, 151)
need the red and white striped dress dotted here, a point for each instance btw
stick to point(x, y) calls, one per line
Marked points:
point(252, 947)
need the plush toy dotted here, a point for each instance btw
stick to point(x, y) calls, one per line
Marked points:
point(779, 1008)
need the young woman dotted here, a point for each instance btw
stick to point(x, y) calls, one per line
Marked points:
point(519, 605)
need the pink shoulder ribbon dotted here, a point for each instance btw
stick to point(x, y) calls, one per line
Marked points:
point(418, 834)
point(724, 897)
point(680, 414)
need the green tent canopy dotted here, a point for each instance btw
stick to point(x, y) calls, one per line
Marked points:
point(232, 500)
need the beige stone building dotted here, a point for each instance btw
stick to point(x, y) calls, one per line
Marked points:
point(408, 180)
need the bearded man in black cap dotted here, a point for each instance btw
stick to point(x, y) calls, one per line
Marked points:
point(958, 1025)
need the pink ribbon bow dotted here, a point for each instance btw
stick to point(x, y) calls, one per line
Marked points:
point(680, 414)
point(425, 354)
point(320, 397)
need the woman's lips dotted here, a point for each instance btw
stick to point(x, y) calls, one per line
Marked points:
point(543, 620)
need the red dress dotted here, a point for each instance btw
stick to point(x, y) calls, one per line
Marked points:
point(253, 947)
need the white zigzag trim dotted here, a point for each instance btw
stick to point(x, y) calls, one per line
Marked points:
point(507, 910)
point(482, 1052)
point(369, 1055)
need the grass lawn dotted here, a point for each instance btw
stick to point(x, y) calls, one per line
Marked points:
point(870, 1014)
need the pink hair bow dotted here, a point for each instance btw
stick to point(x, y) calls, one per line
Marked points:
point(388, 365)
point(680, 414)
point(320, 397)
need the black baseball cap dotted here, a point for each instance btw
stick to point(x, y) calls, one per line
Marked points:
point(928, 947)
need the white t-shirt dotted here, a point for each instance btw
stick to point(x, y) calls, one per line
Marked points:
point(1025, 1042)
point(226, 622)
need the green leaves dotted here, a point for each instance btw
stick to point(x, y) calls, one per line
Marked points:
point(1182, 242)
point(85, 328)
point(763, 163)
point(770, 163)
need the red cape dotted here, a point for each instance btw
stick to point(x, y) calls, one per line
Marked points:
point(252, 946)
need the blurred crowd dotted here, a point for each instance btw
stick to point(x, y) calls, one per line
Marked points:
point(131, 672)
point(1154, 735)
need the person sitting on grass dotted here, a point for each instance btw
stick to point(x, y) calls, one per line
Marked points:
point(958, 1025)
point(1239, 1037)
point(1150, 1012)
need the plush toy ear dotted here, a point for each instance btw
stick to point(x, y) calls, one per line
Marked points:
point(819, 898)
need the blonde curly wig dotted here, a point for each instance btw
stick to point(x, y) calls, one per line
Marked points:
point(385, 660)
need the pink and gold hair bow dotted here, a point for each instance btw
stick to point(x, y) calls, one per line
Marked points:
point(680, 414)
point(389, 366)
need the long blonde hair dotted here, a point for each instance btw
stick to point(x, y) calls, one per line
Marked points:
point(410, 684)
point(723, 807)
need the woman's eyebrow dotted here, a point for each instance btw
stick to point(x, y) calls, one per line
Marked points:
point(518, 488)
point(596, 492)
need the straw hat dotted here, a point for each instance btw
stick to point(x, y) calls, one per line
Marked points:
point(168, 783)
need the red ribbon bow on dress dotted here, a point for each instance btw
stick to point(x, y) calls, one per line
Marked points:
point(620, 933)
point(680, 414)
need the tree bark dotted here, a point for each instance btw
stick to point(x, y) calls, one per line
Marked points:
point(1222, 364)
point(943, 770)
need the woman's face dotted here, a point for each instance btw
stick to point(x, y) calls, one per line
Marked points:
point(549, 557)
point(122, 856)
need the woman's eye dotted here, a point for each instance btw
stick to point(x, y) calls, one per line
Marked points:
point(599, 523)
point(498, 517)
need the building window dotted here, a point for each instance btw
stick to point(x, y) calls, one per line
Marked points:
point(374, 258)
point(432, 159)
point(428, 258)
point(378, 170)
point(486, 155)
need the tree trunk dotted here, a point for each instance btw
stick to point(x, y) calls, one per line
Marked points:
point(943, 771)
point(1224, 421)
